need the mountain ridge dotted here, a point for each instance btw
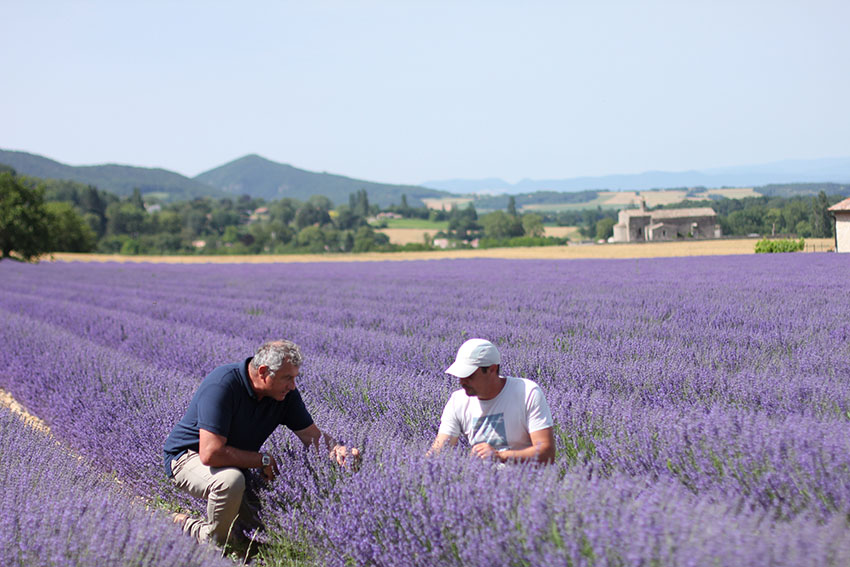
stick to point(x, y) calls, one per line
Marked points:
point(273, 180)
point(114, 178)
point(257, 176)
point(252, 174)
point(821, 170)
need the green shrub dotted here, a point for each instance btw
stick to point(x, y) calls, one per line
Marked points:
point(766, 246)
point(519, 241)
point(414, 247)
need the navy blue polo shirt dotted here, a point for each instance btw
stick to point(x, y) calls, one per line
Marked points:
point(226, 405)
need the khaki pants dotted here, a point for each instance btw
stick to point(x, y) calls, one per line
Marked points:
point(230, 508)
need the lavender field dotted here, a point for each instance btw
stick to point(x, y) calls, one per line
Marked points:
point(702, 405)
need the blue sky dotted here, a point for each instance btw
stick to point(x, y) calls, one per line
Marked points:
point(409, 91)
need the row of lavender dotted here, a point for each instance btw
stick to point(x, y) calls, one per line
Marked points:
point(714, 387)
point(56, 509)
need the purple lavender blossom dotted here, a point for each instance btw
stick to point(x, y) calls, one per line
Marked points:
point(702, 405)
point(55, 509)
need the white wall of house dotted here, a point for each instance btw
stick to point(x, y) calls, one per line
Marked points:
point(842, 231)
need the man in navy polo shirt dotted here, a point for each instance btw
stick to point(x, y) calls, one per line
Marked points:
point(233, 412)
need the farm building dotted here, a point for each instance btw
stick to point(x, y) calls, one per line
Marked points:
point(841, 213)
point(638, 225)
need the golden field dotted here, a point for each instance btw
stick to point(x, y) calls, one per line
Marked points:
point(402, 236)
point(722, 247)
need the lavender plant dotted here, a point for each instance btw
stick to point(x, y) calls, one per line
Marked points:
point(701, 404)
point(56, 509)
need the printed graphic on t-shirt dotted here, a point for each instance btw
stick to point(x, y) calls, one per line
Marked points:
point(490, 429)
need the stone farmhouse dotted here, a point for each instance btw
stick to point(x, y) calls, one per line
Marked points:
point(841, 213)
point(640, 225)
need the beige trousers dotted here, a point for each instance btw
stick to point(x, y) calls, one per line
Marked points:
point(228, 511)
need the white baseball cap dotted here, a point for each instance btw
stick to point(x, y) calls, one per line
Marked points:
point(472, 355)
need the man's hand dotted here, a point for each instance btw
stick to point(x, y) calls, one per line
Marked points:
point(344, 456)
point(271, 471)
point(484, 451)
point(441, 441)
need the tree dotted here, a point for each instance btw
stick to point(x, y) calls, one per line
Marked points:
point(346, 219)
point(283, 210)
point(588, 222)
point(310, 214)
point(136, 199)
point(463, 223)
point(772, 218)
point(605, 228)
point(499, 224)
point(367, 239)
point(222, 218)
point(804, 228)
point(125, 217)
point(68, 232)
point(512, 206)
point(312, 238)
point(322, 203)
point(24, 221)
point(359, 203)
point(747, 221)
point(820, 219)
point(532, 225)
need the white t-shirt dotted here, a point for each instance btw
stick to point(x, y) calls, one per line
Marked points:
point(504, 421)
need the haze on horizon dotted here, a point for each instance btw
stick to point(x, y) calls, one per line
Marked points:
point(405, 92)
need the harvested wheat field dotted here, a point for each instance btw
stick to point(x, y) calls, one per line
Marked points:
point(575, 251)
point(404, 236)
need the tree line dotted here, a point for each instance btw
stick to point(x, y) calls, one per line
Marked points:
point(50, 215)
point(800, 216)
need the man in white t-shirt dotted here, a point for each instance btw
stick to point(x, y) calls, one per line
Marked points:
point(502, 417)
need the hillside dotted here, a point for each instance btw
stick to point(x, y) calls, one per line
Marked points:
point(117, 179)
point(259, 177)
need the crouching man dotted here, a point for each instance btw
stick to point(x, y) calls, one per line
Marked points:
point(503, 418)
point(233, 412)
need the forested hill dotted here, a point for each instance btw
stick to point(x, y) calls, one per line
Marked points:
point(256, 176)
point(251, 175)
point(117, 179)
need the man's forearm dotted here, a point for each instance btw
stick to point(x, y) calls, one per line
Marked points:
point(533, 453)
point(312, 436)
point(227, 456)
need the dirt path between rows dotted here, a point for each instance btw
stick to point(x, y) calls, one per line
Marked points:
point(6, 400)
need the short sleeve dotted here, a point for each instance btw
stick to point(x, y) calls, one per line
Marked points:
point(539, 416)
point(295, 415)
point(450, 423)
point(215, 409)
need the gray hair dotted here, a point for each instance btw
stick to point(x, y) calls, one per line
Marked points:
point(274, 353)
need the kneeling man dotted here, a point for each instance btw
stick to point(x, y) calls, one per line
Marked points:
point(502, 417)
point(233, 412)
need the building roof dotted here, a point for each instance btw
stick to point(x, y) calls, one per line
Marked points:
point(666, 214)
point(682, 213)
point(842, 206)
point(635, 212)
